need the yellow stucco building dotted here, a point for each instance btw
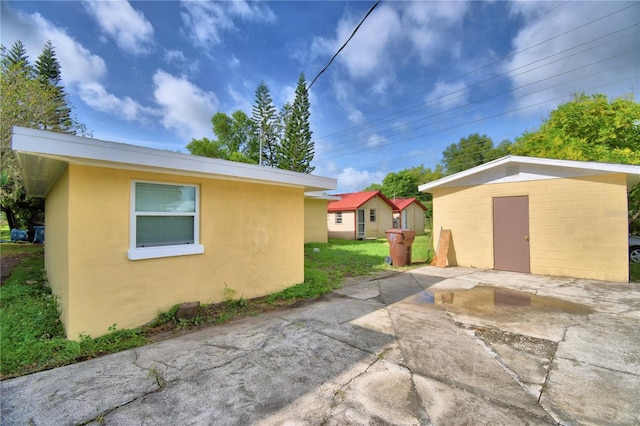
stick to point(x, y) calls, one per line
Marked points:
point(360, 215)
point(315, 217)
point(409, 214)
point(131, 231)
point(543, 216)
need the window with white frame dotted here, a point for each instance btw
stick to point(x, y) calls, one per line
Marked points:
point(372, 215)
point(338, 218)
point(164, 220)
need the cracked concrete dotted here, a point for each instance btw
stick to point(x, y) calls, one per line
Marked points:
point(429, 346)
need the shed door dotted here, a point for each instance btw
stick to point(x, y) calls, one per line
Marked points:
point(360, 227)
point(405, 222)
point(511, 234)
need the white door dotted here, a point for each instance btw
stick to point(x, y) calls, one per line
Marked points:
point(360, 228)
point(404, 223)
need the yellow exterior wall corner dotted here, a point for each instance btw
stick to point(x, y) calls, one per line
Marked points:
point(56, 261)
point(315, 220)
point(253, 235)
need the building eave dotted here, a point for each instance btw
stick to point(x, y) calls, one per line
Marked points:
point(568, 167)
point(44, 155)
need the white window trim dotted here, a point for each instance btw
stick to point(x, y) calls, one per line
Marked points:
point(338, 218)
point(139, 253)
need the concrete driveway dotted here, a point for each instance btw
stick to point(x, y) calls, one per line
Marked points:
point(430, 346)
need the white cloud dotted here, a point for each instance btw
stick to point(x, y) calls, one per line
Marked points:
point(367, 50)
point(96, 96)
point(186, 108)
point(183, 107)
point(234, 62)
point(448, 95)
point(391, 35)
point(287, 94)
point(356, 180)
point(351, 179)
point(77, 63)
point(572, 48)
point(345, 95)
point(375, 140)
point(82, 71)
point(429, 25)
point(127, 26)
point(240, 102)
point(206, 21)
point(175, 56)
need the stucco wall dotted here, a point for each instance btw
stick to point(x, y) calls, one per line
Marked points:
point(384, 218)
point(252, 235)
point(56, 254)
point(415, 219)
point(315, 220)
point(577, 226)
point(345, 230)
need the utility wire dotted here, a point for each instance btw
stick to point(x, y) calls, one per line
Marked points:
point(479, 111)
point(377, 163)
point(345, 43)
point(461, 92)
point(388, 117)
point(508, 74)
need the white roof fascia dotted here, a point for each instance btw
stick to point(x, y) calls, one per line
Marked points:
point(55, 150)
point(531, 168)
point(319, 195)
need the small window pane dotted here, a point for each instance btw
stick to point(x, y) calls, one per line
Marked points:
point(164, 230)
point(153, 197)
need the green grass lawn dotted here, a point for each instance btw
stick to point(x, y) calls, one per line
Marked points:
point(32, 337)
point(5, 232)
point(634, 272)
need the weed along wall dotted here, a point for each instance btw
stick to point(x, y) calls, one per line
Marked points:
point(252, 235)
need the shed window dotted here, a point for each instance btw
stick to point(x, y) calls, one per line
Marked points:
point(372, 215)
point(164, 220)
point(338, 218)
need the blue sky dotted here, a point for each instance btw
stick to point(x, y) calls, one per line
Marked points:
point(417, 76)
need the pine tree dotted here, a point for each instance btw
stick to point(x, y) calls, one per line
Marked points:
point(265, 121)
point(16, 61)
point(47, 69)
point(29, 101)
point(297, 148)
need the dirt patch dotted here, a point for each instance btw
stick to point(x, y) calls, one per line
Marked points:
point(8, 263)
point(540, 347)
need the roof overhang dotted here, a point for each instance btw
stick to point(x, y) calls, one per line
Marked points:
point(43, 157)
point(319, 195)
point(520, 169)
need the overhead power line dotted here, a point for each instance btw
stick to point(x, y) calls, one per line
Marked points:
point(421, 105)
point(429, 133)
point(345, 43)
point(427, 121)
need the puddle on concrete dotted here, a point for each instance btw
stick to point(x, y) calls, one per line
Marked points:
point(491, 300)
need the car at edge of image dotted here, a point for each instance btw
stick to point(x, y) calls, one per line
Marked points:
point(634, 248)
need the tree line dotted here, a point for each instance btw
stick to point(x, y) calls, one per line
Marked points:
point(268, 138)
point(587, 128)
